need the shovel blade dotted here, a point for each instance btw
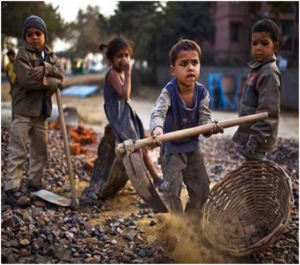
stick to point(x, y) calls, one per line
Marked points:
point(139, 177)
point(53, 198)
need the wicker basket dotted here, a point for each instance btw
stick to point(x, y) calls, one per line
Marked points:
point(248, 209)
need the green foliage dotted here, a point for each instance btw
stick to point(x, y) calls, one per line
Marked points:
point(155, 27)
point(282, 7)
point(15, 13)
point(87, 32)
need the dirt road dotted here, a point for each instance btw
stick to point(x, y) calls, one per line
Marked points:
point(92, 113)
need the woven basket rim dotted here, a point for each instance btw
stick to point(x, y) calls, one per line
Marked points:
point(263, 242)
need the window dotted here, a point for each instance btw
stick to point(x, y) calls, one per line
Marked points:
point(287, 34)
point(235, 32)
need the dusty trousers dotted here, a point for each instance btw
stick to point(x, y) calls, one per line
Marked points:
point(187, 168)
point(24, 129)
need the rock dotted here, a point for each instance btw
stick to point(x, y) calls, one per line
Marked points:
point(7, 223)
point(142, 253)
point(60, 254)
point(63, 241)
point(49, 251)
point(152, 223)
point(130, 236)
point(39, 203)
point(10, 243)
point(91, 260)
point(24, 242)
point(296, 258)
point(137, 261)
point(139, 240)
point(90, 240)
point(280, 262)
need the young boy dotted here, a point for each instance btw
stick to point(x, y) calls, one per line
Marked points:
point(39, 74)
point(182, 104)
point(9, 70)
point(261, 93)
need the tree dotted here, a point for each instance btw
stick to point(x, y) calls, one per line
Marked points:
point(281, 7)
point(155, 27)
point(15, 13)
point(187, 20)
point(87, 32)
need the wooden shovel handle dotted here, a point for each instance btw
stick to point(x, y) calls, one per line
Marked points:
point(74, 202)
point(172, 136)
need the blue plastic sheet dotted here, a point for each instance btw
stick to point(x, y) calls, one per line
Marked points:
point(80, 91)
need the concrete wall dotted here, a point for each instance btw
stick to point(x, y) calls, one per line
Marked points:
point(290, 81)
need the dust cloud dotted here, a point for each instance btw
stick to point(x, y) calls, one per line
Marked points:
point(185, 241)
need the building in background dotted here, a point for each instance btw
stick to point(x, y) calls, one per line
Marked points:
point(233, 22)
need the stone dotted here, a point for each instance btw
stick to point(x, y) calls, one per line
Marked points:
point(152, 223)
point(280, 261)
point(24, 242)
point(142, 253)
point(130, 236)
point(90, 260)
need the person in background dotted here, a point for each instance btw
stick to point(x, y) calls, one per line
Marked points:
point(9, 68)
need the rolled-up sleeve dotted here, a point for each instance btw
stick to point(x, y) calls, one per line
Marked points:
point(158, 114)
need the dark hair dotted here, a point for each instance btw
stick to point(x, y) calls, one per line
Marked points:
point(10, 52)
point(114, 46)
point(269, 26)
point(183, 45)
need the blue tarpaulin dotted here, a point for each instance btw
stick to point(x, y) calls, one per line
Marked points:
point(80, 91)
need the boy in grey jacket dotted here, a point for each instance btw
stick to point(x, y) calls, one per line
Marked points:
point(39, 74)
point(261, 93)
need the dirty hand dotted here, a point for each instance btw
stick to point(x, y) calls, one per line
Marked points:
point(217, 128)
point(125, 64)
point(157, 131)
point(37, 72)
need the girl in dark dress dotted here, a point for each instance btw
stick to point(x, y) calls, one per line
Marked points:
point(117, 88)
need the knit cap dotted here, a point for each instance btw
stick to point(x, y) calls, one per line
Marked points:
point(36, 22)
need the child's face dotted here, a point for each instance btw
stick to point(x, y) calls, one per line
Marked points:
point(35, 38)
point(11, 57)
point(262, 46)
point(120, 57)
point(187, 68)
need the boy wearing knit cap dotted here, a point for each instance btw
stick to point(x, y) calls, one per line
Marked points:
point(39, 74)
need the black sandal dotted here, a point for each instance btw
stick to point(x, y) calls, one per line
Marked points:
point(16, 198)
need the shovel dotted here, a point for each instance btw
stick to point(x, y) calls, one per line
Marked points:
point(50, 196)
point(134, 164)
